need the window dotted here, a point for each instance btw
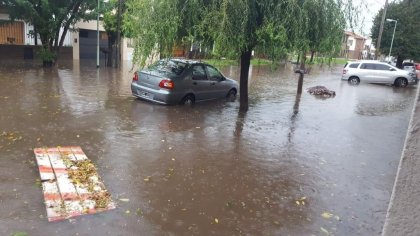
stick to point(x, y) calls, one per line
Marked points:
point(354, 65)
point(213, 74)
point(368, 66)
point(350, 43)
point(382, 67)
point(199, 73)
point(169, 67)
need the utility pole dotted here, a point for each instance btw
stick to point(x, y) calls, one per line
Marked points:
point(381, 29)
point(118, 47)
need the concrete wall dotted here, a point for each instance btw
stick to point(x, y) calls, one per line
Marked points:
point(17, 52)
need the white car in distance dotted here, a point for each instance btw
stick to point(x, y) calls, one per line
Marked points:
point(376, 73)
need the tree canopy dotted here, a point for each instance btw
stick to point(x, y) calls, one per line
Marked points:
point(237, 27)
point(48, 17)
point(407, 34)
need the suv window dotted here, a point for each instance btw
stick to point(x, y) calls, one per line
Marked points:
point(382, 67)
point(354, 65)
point(368, 66)
point(408, 64)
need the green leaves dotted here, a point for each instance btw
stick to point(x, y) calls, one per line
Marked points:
point(154, 24)
point(406, 35)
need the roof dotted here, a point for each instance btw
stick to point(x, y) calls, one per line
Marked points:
point(349, 33)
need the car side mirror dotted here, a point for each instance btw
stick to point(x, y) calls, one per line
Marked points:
point(222, 79)
point(392, 69)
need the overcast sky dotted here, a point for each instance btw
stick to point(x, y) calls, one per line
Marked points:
point(369, 9)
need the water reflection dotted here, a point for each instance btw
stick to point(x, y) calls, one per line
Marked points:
point(270, 171)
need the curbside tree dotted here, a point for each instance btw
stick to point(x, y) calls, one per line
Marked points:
point(49, 18)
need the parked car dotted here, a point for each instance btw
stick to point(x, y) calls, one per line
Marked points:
point(378, 73)
point(409, 66)
point(173, 81)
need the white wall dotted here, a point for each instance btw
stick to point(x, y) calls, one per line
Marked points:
point(89, 25)
point(30, 39)
point(352, 46)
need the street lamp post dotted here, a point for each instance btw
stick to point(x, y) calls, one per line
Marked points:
point(392, 41)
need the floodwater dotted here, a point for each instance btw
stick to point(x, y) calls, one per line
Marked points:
point(289, 166)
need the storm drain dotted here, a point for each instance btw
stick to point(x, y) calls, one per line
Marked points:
point(70, 183)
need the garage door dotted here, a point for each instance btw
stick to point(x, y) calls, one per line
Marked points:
point(11, 32)
point(88, 40)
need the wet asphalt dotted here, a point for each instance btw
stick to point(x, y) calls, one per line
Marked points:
point(289, 166)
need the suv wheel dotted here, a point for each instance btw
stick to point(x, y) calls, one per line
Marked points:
point(354, 80)
point(401, 82)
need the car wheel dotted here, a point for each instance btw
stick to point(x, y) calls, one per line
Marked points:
point(401, 82)
point(188, 100)
point(354, 80)
point(231, 96)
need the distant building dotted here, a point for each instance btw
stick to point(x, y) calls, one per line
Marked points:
point(353, 46)
point(17, 42)
point(369, 49)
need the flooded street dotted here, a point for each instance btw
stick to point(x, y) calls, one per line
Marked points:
point(288, 166)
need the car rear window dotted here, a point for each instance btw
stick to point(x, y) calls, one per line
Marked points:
point(170, 67)
point(408, 64)
point(354, 65)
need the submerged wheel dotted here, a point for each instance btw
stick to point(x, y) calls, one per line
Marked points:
point(354, 80)
point(231, 96)
point(401, 82)
point(188, 100)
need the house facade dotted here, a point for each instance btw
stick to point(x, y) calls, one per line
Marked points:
point(353, 46)
point(17, 42)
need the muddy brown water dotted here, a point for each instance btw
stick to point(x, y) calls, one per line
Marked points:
point(288, 166)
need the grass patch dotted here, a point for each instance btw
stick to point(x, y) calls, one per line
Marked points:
point(229, 62)
point(263, 62)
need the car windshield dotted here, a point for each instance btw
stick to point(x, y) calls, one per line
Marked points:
point(170, 67)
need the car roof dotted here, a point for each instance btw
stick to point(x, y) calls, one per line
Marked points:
point(372, 61)
point(184, 60)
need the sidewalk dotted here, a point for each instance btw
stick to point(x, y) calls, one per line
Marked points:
point(404, 208)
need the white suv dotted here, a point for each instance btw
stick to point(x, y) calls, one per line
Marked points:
point(377, 73)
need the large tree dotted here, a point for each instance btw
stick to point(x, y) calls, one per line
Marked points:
point(235, 27)
point(407, 34)
point(49, 17)
point(112, 19)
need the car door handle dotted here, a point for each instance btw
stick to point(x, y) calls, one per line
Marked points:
point(194, 83)
point(213, 83)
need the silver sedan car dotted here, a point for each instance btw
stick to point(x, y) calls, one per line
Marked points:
point(180, 81)
point(377, 73)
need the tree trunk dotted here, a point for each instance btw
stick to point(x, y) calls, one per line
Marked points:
point(243, 87)
point(111, 40)
point(298, 59)
point(399, 61)
point(36, 36)
point(301, 73)
point(312, 56)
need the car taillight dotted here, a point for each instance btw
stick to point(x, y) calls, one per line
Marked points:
point(136, 76)
point(168, 84)
point(344, 71)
